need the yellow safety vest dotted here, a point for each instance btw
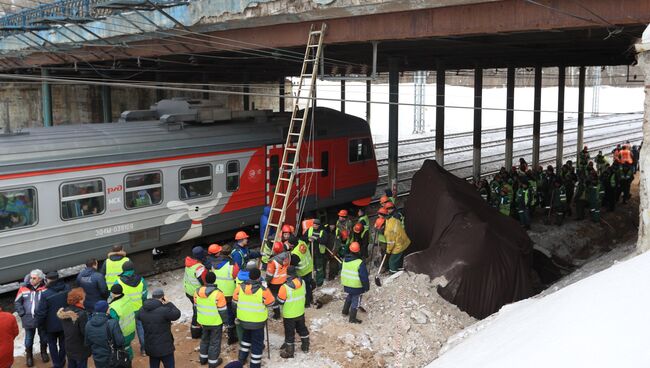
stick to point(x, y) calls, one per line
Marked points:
point(267, 252)
point(250, 307)
point(294, 306)
point(321, 247)
point(350, 274)
point(225, 282)
point(124, 309)
point(306, 264)
point(134, 294)
point(113, 270)
point(190, 281)
point(207, 312)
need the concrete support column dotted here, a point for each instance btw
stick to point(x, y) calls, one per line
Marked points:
point(478, 121)
point(46, 98)
point(160, 94)
point(343, 96)
point(107, 106)
point(440, 115)
point(561, 81)
point(281, 103)
point(581, 111)
point(247, 97)
point(368, 98)
point(510, 115)
point(537, 115)
point(643, 58)
point(393, 116)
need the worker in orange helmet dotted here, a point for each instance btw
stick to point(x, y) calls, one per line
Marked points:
point(361, 235)
point(355, 281)
point(226, 271)
point(342, 232)
point(394, 212)
point(276, 272)
point(240, 253)
point(286, 231)
point(379, 238)
point(213, 252)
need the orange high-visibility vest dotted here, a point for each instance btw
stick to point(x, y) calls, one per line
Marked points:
point(626, 157)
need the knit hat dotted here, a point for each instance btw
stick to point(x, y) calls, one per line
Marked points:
point(158, 294)
point(128, 266)
point(117, 289)
point(254, 274)
point(52, 275)
point(101, 306)
point(210, 278)
point(198, 252)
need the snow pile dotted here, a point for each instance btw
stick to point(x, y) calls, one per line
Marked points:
point(600, 321)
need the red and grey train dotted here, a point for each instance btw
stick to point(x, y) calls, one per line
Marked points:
point(68, 193)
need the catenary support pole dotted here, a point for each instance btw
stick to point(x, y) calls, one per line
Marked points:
point(282, 99)
point(343, 96)
point(478, 121)
point(107, 106)
point(368, 99)
point(581, 111)
point(46, 98)
point(393, 116)
point(510, 115)
point(537, 115)
point(440, 115)
point(559, 154)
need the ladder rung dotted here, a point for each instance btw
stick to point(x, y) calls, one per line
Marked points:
point(272, 224)
point(276, 209)
point(285, 179)
point(281, 194)
point(310, 60)
point(297, 119)
point(297, 134)
point(290, 149)
point(316, 33)
point(288, 164)
point(314, 45)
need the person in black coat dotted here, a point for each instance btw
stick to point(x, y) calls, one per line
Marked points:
point(156, 316)
point(98, 330)
point(93, 283)
point(73, 319)
point(53, 299)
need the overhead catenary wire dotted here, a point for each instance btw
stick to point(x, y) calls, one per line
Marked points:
point(260, 94)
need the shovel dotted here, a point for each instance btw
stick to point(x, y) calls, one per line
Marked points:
point(377, 280)
point(334, 255)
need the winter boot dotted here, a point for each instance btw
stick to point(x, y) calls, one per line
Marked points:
point(203, 361)
point(346, 308)
point(304, 346)
point(215, 365)
point(276, 313)
point(29, 357)
point(232, 336)
point(288, 352)
point(44, 356)
point(353, 316)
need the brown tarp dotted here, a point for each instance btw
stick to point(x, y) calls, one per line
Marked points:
point(485, 256)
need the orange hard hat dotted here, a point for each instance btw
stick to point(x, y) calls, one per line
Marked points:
point(384, 199)
point(382, 211)
point(379, 222)
point(292, 229)
point(278, 247)
point(355, 247)
point(343, 213)
point(241, 235)
point(358, 227)
point(388, 205)
point(345, 235)
point(286, 228)
point(214, 249)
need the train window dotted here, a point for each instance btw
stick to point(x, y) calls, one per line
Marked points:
point(325, 163)
point(360, 149)
point(196, 181)
point(142, 190)
point(274, 163)
point(232, 176)
point(17, 208)
point(82, 199)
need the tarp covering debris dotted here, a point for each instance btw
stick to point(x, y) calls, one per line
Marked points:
point(486, 257)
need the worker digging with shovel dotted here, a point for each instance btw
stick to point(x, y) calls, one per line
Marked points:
point(355, 281)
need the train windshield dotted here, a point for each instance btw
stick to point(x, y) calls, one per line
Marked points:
point(17, 208)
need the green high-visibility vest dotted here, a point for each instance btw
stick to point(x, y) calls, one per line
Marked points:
point(126, 312)
point(365, 221)
point(294, 305)
point(225, 282)
point(250, 307)
point(134, 294)
point(267, 252)
point(350, 274)
point(190, 281)
point(321, 247)
point(306, 264)
point(207, 312)
point(113, 270)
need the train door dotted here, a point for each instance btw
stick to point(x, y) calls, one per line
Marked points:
point(326, 177)
point(273, 159)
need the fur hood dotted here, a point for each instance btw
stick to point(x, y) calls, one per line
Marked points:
point(67, 314)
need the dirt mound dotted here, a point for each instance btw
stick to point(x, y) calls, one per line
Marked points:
point(486, 257)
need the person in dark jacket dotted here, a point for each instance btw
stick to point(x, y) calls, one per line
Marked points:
point(53, 299)
point(27, 300)
point(98, 331)
point(93, 283)
point(156, 316)
point(354, 277)
point(73, 319)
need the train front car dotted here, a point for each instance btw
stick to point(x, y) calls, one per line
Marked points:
point(68, 193)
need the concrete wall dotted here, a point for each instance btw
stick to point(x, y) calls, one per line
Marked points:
point(643, 242)
point(76, 104)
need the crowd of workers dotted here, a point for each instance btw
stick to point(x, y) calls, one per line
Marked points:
point(588, 186)
point(231, 289)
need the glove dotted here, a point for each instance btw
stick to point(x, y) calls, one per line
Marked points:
point(237, 321)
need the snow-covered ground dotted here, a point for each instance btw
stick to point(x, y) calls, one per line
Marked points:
point(599, 321)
